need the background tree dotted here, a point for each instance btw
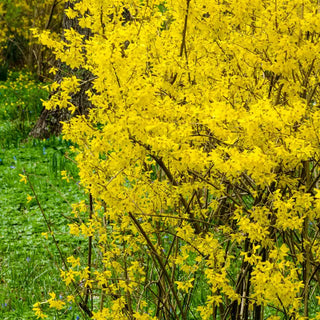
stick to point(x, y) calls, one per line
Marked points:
point(18, 46)
point(50, 121)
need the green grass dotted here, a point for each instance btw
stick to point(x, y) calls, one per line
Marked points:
point(20, 104)
point(29, 263)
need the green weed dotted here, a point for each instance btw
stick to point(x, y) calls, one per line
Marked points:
point(20, 105)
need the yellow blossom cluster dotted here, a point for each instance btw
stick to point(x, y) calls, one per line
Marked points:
point(201, 153)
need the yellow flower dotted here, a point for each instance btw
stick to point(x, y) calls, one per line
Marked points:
point(57, 304)
point(38, 312)
point(52, 295)
point(65, 176)
point(53, 70)
point(74, 261)
point(23, 178)
point(45, 234)
point(184, 285)
point(74, 229)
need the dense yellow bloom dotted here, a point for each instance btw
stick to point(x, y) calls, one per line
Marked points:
point(201, 153)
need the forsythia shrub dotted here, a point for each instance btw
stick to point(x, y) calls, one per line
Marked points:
point(201, 155)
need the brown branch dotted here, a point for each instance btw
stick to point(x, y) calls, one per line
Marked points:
point(184, 32)
point(54, 4)
point(160, 262)
point(171, 179)
point(88, 290)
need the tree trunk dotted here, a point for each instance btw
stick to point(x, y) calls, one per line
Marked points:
point(49, 122)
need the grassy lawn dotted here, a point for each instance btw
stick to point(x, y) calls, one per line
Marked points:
point(29, 260)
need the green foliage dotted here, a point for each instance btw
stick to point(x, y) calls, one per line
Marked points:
point(21, 102)
point(4, 72)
